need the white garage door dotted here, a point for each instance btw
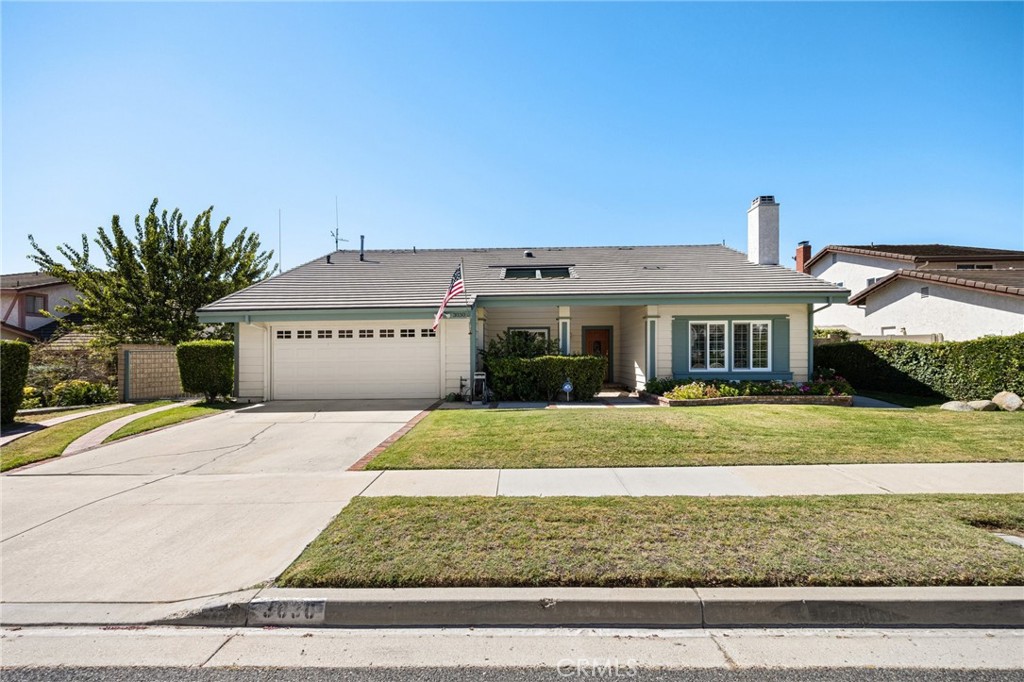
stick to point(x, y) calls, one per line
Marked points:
point(393, 359)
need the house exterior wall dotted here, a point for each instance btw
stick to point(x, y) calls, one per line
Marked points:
point(499, 319)
point(853, 271)
point(799, 357)
point(10, 308)
point(455, 354)
point(253, 356)
point(631, 361)
point(12, 305)
point(955, 312)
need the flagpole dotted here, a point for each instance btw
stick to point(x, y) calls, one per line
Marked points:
point(465, 294)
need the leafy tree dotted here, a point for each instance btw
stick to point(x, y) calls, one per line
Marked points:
point(151, 284)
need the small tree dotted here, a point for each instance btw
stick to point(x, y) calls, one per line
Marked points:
point(151, 283)
point(13, 369)
point(207, 367)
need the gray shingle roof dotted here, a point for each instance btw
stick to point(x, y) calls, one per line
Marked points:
point(403, 278)
point(27, 280)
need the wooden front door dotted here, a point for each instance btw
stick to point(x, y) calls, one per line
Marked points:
point(599, 342)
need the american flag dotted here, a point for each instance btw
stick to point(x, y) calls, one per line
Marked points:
point(456, 287)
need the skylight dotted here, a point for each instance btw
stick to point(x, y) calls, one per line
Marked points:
point(537, 273)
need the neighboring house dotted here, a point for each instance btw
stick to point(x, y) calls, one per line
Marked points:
point(24, 297)
point(358, 324)
point(958, 292)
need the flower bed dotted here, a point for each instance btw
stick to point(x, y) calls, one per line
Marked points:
point(834, 400)
point(823, 390)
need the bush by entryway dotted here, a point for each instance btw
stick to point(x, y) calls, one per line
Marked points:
point(207, 367)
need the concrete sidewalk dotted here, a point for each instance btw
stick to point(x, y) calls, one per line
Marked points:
point(814, 479)
point(96, 437)
point(24, 430)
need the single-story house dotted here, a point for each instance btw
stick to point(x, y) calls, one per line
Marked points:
point(358, 324)
point(25, 298)
point(911, 302)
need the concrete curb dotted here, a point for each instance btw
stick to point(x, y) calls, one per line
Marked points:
point(981, 607)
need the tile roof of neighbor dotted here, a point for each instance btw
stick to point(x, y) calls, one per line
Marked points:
point(15, 329)
point(919, 253)
point(1007, 282)
point(27, 280)
point(404, 278)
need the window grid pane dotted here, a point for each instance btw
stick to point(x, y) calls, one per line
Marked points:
point(716, 346)
point(741, 345)
point(698, 346)
point(759, 345)
point(344, 333)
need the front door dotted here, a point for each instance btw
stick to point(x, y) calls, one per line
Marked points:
point(599, 342)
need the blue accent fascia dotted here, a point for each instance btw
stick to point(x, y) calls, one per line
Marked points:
point(659, 299)
point(779, 344)
point(251, 316)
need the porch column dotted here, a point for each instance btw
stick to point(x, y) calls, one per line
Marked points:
point(563, 329)
point(651, 341)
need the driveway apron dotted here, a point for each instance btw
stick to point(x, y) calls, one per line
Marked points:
point(204, 508)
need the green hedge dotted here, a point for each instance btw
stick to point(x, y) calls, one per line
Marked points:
point(541, 378)
point(207, 367)
point(959, 370)
point(13, 369)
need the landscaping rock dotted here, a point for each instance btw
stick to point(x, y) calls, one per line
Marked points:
point(1011, 402)
point(983, 406)
point(957, 406)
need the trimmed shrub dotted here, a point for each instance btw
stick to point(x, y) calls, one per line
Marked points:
point(51, 364)
point(31, 398)
point(958, 370)
point(541, 378)
point(79, 392)
point(207, 367)
point(14, 369)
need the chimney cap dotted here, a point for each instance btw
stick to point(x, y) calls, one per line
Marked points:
point(803, 243)
point(763, 199)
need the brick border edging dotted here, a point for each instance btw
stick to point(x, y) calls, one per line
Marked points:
point(361, 463)
point(833, 400)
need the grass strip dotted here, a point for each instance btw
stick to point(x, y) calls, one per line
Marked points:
point(41, 417)
point(168, 418)
point(702, 436)
point(52, 441)
point(666, 542)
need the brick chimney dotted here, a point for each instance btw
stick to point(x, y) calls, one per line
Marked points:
point(803, 254)
point(763, 231)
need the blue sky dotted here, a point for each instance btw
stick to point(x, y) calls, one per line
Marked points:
point(441, 125)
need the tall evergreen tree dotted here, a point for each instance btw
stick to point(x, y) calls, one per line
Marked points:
point(150, 286)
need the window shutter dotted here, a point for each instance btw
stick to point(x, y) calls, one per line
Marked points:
point(780, 345)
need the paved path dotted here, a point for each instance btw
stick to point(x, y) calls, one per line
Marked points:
point(104, 431)
point(211, 506)
point(46, 423)
point(812, 479)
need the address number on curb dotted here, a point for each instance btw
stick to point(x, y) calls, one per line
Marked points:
point(287, 612)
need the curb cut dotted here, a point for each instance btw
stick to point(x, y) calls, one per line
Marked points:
point(990, 607)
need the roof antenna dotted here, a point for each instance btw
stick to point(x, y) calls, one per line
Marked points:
point(337, 231)
point(279, 241)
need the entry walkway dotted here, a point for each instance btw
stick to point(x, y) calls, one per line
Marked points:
point(815, 479)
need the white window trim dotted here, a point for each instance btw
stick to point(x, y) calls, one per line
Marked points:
point(750, 348)
point(707, 352)
point(543, 332)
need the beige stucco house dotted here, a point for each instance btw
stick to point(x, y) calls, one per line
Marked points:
point(357, 324)
point(952, 293)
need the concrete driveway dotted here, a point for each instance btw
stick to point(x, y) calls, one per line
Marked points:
point(201, 509)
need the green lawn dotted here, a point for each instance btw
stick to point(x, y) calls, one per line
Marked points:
point(169, 417)
point(666, 542)
point(51, 442)
point(692, 436)
point(41, 417)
